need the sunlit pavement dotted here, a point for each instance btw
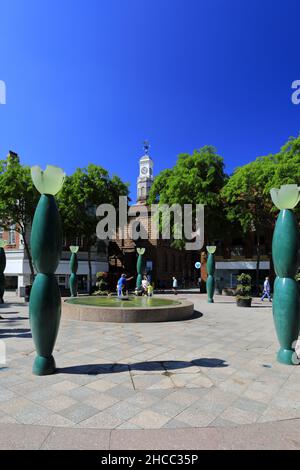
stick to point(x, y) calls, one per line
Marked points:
point(216, 372)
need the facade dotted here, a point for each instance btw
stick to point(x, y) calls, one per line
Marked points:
point(17, 272)
point(239, 255)
point(233, 256)
point(162, 261)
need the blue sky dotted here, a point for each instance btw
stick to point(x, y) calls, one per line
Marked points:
point(88, 81)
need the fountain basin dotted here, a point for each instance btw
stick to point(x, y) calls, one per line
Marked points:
point(133, 310)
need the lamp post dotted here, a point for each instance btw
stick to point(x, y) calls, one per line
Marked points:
point(73, 284)
point(3, 243)
point(46, 245)
point(210, 266)
point(285, 252)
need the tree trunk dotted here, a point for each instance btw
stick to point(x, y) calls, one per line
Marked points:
point(257, 263)
point(32, 274)
point(90, 269)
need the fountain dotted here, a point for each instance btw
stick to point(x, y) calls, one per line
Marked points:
point(133, 310)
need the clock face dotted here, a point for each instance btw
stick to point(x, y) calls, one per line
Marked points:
point(144, 170)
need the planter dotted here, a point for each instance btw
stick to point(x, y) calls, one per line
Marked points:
point(243, 302)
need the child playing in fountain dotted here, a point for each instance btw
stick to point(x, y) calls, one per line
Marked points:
point(150, 290)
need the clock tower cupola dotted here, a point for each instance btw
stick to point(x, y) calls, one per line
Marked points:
point(145, 178)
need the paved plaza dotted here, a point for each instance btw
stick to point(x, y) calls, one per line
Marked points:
point(217, 371)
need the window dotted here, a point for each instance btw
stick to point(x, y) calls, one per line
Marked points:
point(64, 240)
point(62, 281)
point(1, 232)
point(79, 241)
point(12, 235)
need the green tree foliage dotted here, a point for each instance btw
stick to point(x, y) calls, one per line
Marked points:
point(247, 192)
point(79, 198)
point(18, 199)
point(195, 179)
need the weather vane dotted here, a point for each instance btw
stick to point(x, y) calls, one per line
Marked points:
point(146, 147)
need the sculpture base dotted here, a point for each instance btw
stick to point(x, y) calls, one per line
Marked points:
point(288, 356)
point(44, 365)
point(210, 301)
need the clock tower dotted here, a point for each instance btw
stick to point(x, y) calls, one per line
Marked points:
point(145, 178)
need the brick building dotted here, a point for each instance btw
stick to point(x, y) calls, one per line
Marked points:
point(162, 261)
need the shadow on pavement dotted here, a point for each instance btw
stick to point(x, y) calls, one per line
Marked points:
point(17, 332)
point(160, 366)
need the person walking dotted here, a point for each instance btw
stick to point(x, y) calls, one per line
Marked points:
point(175, 285)
point(267, 290)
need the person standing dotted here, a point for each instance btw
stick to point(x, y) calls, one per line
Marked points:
point(145, 284)
point(175, 285)
point(267, 290)
point(122, 284)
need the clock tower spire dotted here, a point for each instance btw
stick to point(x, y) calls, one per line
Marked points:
point(145, 178)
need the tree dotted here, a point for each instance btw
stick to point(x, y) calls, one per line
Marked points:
point(247, 192)
point(79, 198)
point(18, 199)
point(195, 179)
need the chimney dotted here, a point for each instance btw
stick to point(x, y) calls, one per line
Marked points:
point(12, 157)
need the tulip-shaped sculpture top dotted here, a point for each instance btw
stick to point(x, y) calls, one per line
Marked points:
point(49, 181)
point(210, 266)
point(285, 249)
point(46, 244)
point(74, 249)
point(287, 197)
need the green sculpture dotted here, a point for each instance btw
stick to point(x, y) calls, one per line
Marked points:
point(3, 243)
point(73, 284)
point(46, 244)
point(285, 252)
point(139, 268)
point(210, 266)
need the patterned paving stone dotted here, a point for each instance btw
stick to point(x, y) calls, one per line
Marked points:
point(148, 419)
point(217, 370)
point(60, 402)
point(79, 412)
point(102, 420)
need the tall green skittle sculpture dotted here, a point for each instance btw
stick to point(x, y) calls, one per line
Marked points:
point(3, 243)
point(73, 284)
point(210, 266)
point(46, 245)
point(139, 268)
point(285, 252)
